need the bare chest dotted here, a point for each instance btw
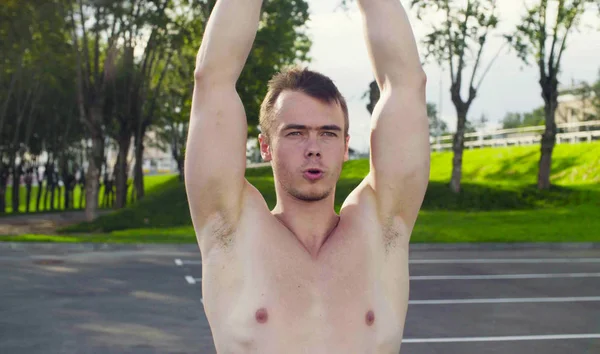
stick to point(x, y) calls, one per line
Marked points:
point(269, 296)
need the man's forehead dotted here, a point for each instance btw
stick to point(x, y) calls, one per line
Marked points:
point(299, 108)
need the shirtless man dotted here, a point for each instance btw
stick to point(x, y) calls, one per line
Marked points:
point(299, 278)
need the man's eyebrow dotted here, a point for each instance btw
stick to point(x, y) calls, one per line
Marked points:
point(331, 127)
point(304, 127)
point(294, 126)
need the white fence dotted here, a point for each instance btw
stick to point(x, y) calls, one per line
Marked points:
point(575, 132)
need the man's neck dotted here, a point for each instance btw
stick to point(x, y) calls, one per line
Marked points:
point(310, 222)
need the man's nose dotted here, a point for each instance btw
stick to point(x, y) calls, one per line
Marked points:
point(313, 149)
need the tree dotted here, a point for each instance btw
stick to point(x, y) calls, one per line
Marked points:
point(458, 42)
point(437, 126)
point(160, 29)
point(533, 118)
point(517, 120)
point(470, 127)
point(167, 38)
point(36, 73)
point(78, 76)
point(543, 40)
point(512, 120)
point(175, 103)
point(95, 30)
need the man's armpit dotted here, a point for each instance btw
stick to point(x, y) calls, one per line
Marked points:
point(222, 229)
point(394, 233)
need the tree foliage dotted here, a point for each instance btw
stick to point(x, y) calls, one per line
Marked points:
point(78, 77)
point(437, 126)
point(518, 120)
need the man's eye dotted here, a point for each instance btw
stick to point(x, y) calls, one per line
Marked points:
point(330, 134)
point(294, 133)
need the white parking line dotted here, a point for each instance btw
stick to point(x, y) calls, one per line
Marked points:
point(505, 300)
point(505, 276)
point(181, 262)
point(505, 260)
point(500, 339)
point(192, 280)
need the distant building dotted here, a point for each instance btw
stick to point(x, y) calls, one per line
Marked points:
point(157, 159)
point(574, 106)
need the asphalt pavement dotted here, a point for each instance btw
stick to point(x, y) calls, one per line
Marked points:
point(148, 300)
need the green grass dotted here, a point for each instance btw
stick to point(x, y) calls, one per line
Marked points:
point(150, 184)
point(562, 224)
point(572, 164)
point(498, 202)
point(571, 224)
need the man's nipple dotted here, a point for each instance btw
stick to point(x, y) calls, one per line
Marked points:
point(370, 317)
point(261, 315)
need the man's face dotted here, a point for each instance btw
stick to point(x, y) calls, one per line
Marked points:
point(306, 134)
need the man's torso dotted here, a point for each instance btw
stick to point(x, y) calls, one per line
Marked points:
point(264, 293)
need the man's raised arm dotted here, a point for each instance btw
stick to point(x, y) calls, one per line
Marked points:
point(399, 128)
point(215, 159)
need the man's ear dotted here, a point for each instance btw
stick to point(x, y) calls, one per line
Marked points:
point(346, 153)
point(265, 148)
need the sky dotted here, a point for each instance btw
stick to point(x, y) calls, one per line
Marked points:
point(339, 51)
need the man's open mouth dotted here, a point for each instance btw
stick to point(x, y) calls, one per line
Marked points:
point(313, 174)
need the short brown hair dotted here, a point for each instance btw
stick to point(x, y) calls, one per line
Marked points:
point(312, 83)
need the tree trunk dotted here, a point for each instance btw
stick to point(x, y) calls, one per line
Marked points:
point(550, 95)
point(28, 198)
point(180, 168)
point(48, 178)
point(65, 189)
point(95, 159)
point(92, 178)
point(70, 189)
point(176, 152)
point(40, 180)
point(2, 198)
point(121, 169)
point(62, 204)
point(52, 190)
point(28, 182)
point(3, 182)
point(16, 184)
point(138, 172)
point(458, 145)
point(67, 197)
point(81, 195)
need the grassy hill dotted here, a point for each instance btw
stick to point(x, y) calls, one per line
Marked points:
point(498, 181)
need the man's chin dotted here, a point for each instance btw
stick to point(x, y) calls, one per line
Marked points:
point(310, 197)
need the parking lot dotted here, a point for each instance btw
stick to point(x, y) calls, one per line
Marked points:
point(148, 300)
